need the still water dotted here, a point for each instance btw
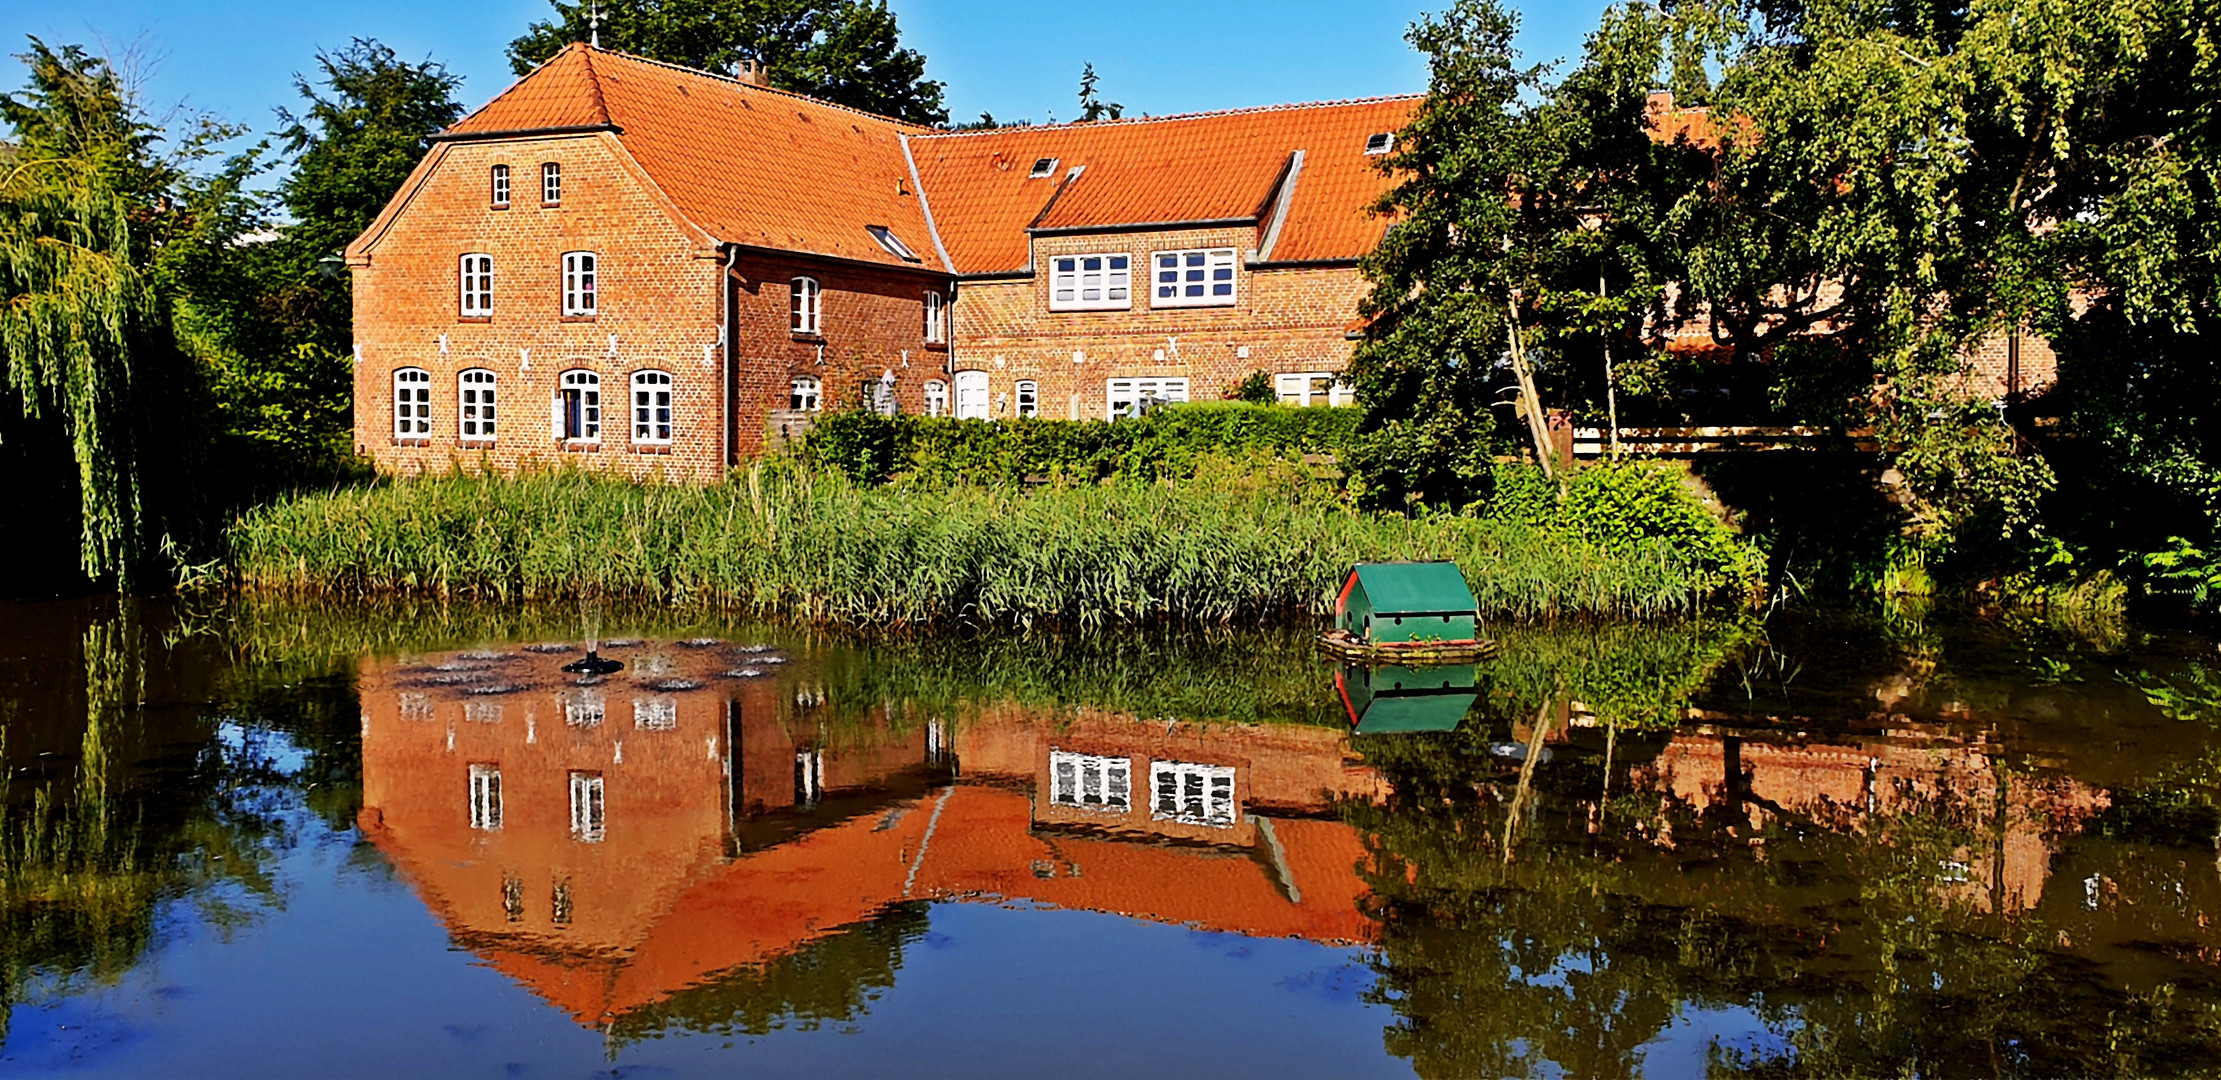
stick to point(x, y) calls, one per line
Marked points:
point(261, 839)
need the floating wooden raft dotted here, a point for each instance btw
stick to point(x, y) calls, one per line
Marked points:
point(1343, 645)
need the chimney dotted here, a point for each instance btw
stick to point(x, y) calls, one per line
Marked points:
point(751, 72)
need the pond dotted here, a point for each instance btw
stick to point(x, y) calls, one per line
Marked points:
point(268, 839)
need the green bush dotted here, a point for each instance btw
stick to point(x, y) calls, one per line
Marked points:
point(1624, 507)
point(1168, 442)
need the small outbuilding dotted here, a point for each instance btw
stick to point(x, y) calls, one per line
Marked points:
point(1393, 698)
point(1394, 603)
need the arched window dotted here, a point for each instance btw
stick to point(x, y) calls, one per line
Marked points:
point(936, 398)
point(412, 403)
point(936, 317)
point(476, 279)
point(803, 395)
point(501, 187)
point(578, 407)
point(1029, 398)
point(651, 408)
point(475, 390)
point(806, 303)
point(551, 184)
point(581, 276)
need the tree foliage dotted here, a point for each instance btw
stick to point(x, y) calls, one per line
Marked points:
point(848, 52)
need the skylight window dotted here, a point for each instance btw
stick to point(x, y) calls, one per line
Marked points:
point(1380, 143)
point(894, 245)
point(1042, 167)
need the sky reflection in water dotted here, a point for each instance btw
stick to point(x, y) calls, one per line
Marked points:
point(274, 840)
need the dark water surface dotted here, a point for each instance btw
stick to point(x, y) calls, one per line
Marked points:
point(265, 840)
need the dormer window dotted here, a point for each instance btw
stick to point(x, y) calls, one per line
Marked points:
point(1380, 143)
point(1042, 167)
point(894, 245)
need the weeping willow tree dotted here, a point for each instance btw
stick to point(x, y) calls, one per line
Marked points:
point(90, 361)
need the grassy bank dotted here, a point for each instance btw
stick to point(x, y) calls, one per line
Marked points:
point(814, 546)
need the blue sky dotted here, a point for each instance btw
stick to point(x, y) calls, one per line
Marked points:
point(1014, 58)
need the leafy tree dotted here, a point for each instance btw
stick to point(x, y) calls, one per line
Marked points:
point(848, 52)
point(1092, 105)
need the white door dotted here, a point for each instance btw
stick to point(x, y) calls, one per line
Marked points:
point(971, 395)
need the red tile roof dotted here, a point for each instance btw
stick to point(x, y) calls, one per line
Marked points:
point(746, 164)
point(1220, 166)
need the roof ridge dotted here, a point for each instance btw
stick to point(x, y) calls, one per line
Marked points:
point(683, 69)
point(1200, 114)
point(594, 88)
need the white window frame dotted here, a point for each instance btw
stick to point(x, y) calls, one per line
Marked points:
point(1198, 794)
point(652, 420)
point(477, 396)
point(584, 708)
point(581, 284)
point(894, 245)
point(936, 318)
point(972, 396)
point(474, 281)
point(412, 403)
point(416, 705)
point(1107, 275)
point(500, 181)
point(485, 797)
point(1380, 142)
point(658, 713)
point(805, 394)
point(1303, 388)
point(589, 808)
point(1123, 397)
point(936, 398)
point(1076, 779)
point(586, 386)
point(1194, 277)
point(1028, 394)
point(805, 306)
point(551, 183)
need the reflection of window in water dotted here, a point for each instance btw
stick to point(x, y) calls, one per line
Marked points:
point(512, 896)
point(584, 708)
point(415, 706)
point(936, 741)
point(485, 797)
point(1089, 782)
point(482, 712)
point(560, 910)
point(586, 807)
point(809, 778)
point(655, 713)
point(1192, 794)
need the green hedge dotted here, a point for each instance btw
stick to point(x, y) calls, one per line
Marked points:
point(1167, 442)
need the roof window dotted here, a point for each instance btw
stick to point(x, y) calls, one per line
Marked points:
point(894, 245)
point(1042, 167)
point(1380, 143)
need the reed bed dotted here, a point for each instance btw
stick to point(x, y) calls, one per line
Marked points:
point(812, 546)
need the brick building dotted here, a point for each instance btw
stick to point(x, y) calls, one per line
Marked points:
point(645, 269)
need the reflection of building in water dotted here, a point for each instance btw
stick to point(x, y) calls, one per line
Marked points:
point(614, 843)
point(1866, 784)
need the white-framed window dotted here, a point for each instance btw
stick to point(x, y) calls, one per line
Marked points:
point(805, 305)
point(1380, 142)
point(660, 713)
point(584, 708)
point(1029, 398)
point(804, 394)
point(1090, 282)
point(475, 279)
point(651, 408)
point(501, 187)
point(1191, 794)
point(475, 390)
point(936, 317)
point(482, 712)
point(1312, 388)
point(1130, 397)
point(578, 407)
point(1200, 278)
point(971, 395)
point(485, 797)
point(894, 245)
point(809, 777)
point(586, 808)
point(416, 705)
point(1088, 782)
point(1041, 167)
point(581, 283)
point(936, 398)
point(551, 183)
point(412, 403)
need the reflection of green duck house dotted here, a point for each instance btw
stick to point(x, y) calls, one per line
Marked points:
point(1406, 611)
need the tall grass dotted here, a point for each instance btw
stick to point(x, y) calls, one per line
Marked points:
point(813, 546)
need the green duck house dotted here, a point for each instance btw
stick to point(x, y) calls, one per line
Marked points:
point(1406, 603)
